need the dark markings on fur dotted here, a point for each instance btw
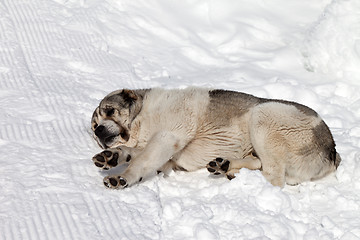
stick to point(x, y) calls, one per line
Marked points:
point(332, 155)
point(110, 112)
point(114, 161)
point(95, 114)
point(158, 172)
point(337, 160)
point(225, 166)
point(100, 158)
point(106, 184)
point(233, 100)
point(128, 158)
point(217, 173)
point(94, 118)
point(140, 179)
point(302, 108)
point(237, 104)
point(107, 153)
point(211, 170)
point(179, 168)
point(123, 98)
point(113, 182)
point(306, 150)
point(124, 135)
point(128, 96)
point(112, 104)
point(99, 165)
point(324, 141)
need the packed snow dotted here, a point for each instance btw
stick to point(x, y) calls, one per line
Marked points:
point(59, 58)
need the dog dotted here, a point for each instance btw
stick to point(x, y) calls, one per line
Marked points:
point(157, 130)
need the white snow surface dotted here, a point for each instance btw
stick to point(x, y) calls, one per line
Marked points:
point(59, 58)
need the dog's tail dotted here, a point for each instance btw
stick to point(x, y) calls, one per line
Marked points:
point(334, 157)
point(337, 159)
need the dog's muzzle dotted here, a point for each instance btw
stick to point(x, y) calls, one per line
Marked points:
point(104, 136)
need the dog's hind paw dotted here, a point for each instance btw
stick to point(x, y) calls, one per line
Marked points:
point(107, 159)
point(219, 166)
point(115, 182)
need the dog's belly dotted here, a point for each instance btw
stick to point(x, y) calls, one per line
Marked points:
point(205, 148)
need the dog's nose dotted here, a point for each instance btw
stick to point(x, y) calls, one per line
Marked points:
point(99, 131)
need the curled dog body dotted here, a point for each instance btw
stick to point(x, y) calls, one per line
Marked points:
point(155, 130)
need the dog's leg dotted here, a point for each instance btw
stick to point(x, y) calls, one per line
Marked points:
point(273, 128)
point(166, 168)
point(113, 157)
point(273, 156)
point(274, 174)
point(161, 147)
point(229, 168)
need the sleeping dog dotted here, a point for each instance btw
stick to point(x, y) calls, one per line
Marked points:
point(154, 130)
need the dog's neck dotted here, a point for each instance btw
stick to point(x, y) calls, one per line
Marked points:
point(134, 126)
point(136, 107)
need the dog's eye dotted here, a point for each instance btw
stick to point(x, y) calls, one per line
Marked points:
point(110, 112)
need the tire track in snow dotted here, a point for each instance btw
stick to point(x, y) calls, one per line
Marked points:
point(19, 36)
point(17, 228)
point(57, 227)
point(9, 231)
point(111, 223)
point(45, 118)
point(42, 220)
point(93, 211)
point(63, 222)
point(68, 214)
point(96, 209)
point(18, 76)
point(46, 218)
point(72, 223)
point(34, 33)
point(34, 134)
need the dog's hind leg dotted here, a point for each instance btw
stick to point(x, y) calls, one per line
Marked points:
point(273, 152)
point(229, 168)
point(280, 134)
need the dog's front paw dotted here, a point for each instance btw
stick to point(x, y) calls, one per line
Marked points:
point(115, 182)
point(107, 159)
point(218, 166)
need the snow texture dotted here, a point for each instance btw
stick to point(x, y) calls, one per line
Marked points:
point(59, 58)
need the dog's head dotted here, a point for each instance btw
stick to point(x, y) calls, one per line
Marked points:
point(111, 121)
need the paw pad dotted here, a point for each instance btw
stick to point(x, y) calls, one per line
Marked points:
point(218, 166)
point(115, 182)
point(106, 159)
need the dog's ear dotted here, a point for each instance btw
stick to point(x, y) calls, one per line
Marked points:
point(129, 96)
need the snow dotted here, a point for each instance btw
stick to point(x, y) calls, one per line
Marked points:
point(59, 58)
